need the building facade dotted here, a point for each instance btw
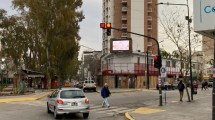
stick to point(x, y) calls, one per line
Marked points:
point(139, 16)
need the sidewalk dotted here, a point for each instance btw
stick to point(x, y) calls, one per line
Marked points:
point(120, 90)
point(39, 94)
point(199, 109)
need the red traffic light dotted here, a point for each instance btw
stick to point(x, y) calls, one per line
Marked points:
point(155, 57)
point(105, 25)
point(102, 25)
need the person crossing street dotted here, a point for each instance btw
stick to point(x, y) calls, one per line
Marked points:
point(105, 93)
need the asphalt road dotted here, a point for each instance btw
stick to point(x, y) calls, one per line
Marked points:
point(120, 103)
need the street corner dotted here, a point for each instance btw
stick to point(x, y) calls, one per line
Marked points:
point(43, 95)
point(8, 100)
point(145, 111)
point(128, 116)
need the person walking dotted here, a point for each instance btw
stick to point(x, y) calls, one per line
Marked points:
point(105, 93)
point(181, 89)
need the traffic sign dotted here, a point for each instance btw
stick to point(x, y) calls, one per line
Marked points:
point(163, 72)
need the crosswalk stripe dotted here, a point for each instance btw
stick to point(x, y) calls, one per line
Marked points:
point(93, 108)
point(113, 110)
point(102, 109)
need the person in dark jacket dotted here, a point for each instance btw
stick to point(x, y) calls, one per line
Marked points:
point(181, 89)
point(105, 93)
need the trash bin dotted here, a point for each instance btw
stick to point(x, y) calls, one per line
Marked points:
point(194, 90)
point(195, 86)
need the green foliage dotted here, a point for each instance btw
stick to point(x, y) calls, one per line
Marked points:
point(44, 36)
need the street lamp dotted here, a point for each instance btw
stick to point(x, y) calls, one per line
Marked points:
point(188, 23)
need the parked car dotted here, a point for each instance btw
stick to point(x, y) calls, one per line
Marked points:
point(68, 100)
point(165, 86)
point(89, 85)
point(210, 83)
point(79, 84)
point(175, 85)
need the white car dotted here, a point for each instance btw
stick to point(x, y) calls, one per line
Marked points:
point(89, 85)
point(68, 100)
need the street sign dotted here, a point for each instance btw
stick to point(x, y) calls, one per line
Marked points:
point(163, 72)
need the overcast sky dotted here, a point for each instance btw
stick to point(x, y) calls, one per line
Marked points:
point(90, 32)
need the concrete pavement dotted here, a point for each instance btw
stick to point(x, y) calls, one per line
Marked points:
point(199, 109)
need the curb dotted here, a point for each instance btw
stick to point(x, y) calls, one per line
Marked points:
point(128, 116)
point(42, 96)
point(17, 99)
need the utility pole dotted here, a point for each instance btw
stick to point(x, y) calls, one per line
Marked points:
point(147, 65)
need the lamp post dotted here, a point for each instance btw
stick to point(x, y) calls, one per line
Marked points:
point(188, 24)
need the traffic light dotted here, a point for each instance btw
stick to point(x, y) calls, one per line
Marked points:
point(108, 27)
point(157, 62)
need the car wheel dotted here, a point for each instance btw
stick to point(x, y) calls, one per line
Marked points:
point(56, 116)
point(85, 115)
point(48, 110)
point(94, 90)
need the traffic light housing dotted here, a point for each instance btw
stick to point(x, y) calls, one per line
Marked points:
point(157, 62)
point(108, 27)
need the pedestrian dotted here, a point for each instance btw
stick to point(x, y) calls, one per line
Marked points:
point(105, 93)
point(206, 85)
point(181, 89)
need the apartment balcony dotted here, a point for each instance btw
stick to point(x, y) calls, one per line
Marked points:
point(149, 10)
point(149, 44)
point(124, 26)
point(124, 1)
point(149, 18)
point(149, 27)
point(124, 9)
point(149, 1)
point(124, 18)
point(124, 35)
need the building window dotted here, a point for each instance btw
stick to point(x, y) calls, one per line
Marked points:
point(173, 63)
point(167, 63)
point(138, 60)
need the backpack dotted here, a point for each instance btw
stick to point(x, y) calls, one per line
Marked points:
point(181, 86)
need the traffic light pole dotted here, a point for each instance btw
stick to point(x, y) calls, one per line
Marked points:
point(159, 74)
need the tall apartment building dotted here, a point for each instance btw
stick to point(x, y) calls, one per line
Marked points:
point(139, 16)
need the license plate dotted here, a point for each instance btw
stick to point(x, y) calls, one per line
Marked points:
point(74, 104)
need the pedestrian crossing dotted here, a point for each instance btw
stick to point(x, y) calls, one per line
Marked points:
point(112, 110)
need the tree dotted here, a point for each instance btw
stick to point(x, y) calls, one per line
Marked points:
point(57, 25)
point(44, 36)
point(175, 30)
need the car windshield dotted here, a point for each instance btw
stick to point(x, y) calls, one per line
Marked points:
point(67, 94)
point(89, 81)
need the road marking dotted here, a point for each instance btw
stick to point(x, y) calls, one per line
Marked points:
point(147, 110)
point(112, 109)
point(93, 108)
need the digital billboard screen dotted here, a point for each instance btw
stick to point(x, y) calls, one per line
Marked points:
point(121, 45)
